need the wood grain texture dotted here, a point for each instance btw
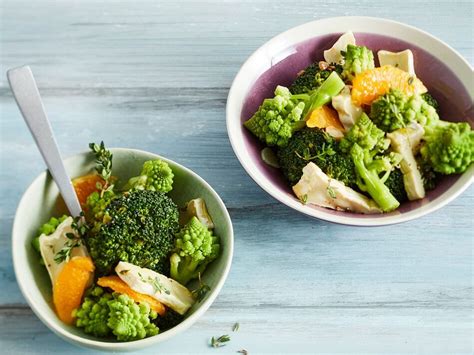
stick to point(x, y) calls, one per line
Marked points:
point(154, 75)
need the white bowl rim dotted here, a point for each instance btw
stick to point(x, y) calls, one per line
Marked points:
point(131, 345)
point(300, 34)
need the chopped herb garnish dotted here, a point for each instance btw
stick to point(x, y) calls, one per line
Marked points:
point(304, 199)
point(236, 327)
point(201, 291)
point(331, 191)
point(217, 343)
point(155, 283)
point(243, 351)
point(123, 272)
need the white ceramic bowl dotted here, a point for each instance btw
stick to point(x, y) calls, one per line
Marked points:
point(448, 76)
point(40, 202)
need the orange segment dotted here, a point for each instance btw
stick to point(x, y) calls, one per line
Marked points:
point(115, 283)
point(70, 285)
point(324, 117)
point(372, 83)
point(85, 185)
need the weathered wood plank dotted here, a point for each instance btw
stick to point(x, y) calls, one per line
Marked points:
point(150, 74)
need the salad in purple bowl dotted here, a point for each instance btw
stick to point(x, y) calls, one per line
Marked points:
point(360, 123)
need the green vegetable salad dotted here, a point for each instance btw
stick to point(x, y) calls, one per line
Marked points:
point(122, 269)
point(352, 136)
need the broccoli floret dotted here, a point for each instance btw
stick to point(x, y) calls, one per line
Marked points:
point(430, 100)
point(396, 185)
point(366, 143)
point(140, 229)
point(277, 118)
point(102, 314)
point(428, 175)
point(315, 145)
point(156, 175)
point(312, 78)
point(195, 248)
point(449, 147)
point(356, 60)
point(169, 320)
point(47, 229)
point(394, 110)
point(371, 182)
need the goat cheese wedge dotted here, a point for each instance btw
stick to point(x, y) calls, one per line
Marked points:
point(402, 60)
point(50, 245)
point(168, 291)
point(347, 111)
point(333, 54)
point(315, 187)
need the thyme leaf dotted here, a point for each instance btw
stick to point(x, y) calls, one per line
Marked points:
point(201, 291)
point(155, 283)
point(218, 342)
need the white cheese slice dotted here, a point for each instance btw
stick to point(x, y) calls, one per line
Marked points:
point(348, 112)
point(168, 291)
point(315, 187)
point(402, 60)
point(333, 54)
point(51, 244)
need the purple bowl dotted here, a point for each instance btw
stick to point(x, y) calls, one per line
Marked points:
point(444, 84)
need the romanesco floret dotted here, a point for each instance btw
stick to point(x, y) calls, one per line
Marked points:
point(356, 60)
point(195, 248)
point(394, 110)
point(449, 147)
point(278, 117)
point(129, 320)
point(94, 313)
point(102, 314)
point(366, 134)
point(156, 175)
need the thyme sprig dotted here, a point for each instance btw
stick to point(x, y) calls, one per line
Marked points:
point(74, 240)
point(201, 291)
point(103, 159)
point(220, 341)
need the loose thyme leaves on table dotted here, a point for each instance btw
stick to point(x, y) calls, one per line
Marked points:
point(217, 343)
point(243, 351)
point(236, 327)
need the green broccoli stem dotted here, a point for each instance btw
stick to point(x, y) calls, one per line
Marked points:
point(372, 182)
point(323, 95)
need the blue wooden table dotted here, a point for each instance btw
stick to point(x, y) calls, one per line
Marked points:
point(154, 75)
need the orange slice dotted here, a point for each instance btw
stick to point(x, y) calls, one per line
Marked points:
point(70, 285)
point(324, 117)
point(85, 185)
point(115, 283)
point(370, 84)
